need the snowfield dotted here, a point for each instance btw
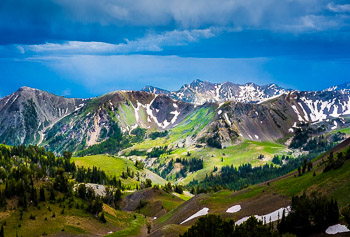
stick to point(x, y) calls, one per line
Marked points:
point(271, 217)
point(335, 229)
point(202, 212)
point(234, 209)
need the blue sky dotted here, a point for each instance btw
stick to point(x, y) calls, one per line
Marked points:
point(85, 48)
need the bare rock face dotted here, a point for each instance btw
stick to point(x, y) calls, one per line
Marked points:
point(278, 117)
point(259, 122)
point(27, 112)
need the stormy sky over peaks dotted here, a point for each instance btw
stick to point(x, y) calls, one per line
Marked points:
point(85, 47)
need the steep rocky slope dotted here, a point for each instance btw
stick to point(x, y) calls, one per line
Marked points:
point(267, 122)
point(277, 117)
point(27, 112)
point(320, 105)
point(129, 109)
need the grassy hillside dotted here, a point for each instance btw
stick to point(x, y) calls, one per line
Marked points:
point(50, 220)
point(242, 153)
point(269, 196)
point(115, 166)
point(152, 202)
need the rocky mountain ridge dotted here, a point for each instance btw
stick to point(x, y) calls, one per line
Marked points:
point(26, 113)
point(31, 116)
point(199, 92)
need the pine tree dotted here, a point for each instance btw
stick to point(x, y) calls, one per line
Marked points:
point(2, 231)
point(102, 218)
point(42, 194)
point(52, 195)
point(34, 195)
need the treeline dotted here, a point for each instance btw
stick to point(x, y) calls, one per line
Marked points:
point(158, 151)
point(155, 135)
point(335, 162)
point(305, 165)
point(301, 135)
point(214, 141)
point(214, 226)
point(235, 178)
point(168, 168)
point(31, 175)
point(309, 215)
point(189, 165)
point(302, 139)
point(320, 143)
point(97, 176)
point(277, 161)
point(139, 135)
point(21, 167)
point(172, 188)
point(136, 152)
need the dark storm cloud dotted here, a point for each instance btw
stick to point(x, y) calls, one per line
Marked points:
point(91, 46)
point(40, 21)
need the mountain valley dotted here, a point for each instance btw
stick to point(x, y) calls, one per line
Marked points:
point(168, 155)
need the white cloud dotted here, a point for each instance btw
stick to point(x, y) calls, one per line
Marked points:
point(311, 23)
point(151, 42)
point(339, 8)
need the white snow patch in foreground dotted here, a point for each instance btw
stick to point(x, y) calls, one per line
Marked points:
point(335, 229)
point(202, 212)
point(240, 221)
point(266, 218)
point(233, 209)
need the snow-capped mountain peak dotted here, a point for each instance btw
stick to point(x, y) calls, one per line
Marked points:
point(200, 92)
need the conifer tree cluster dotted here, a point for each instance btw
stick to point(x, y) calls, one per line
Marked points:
point(309, 215)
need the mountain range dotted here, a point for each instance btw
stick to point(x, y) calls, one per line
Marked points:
point(225, 112)
point(199, 92)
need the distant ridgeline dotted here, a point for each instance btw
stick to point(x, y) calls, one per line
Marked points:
point(202, 113)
